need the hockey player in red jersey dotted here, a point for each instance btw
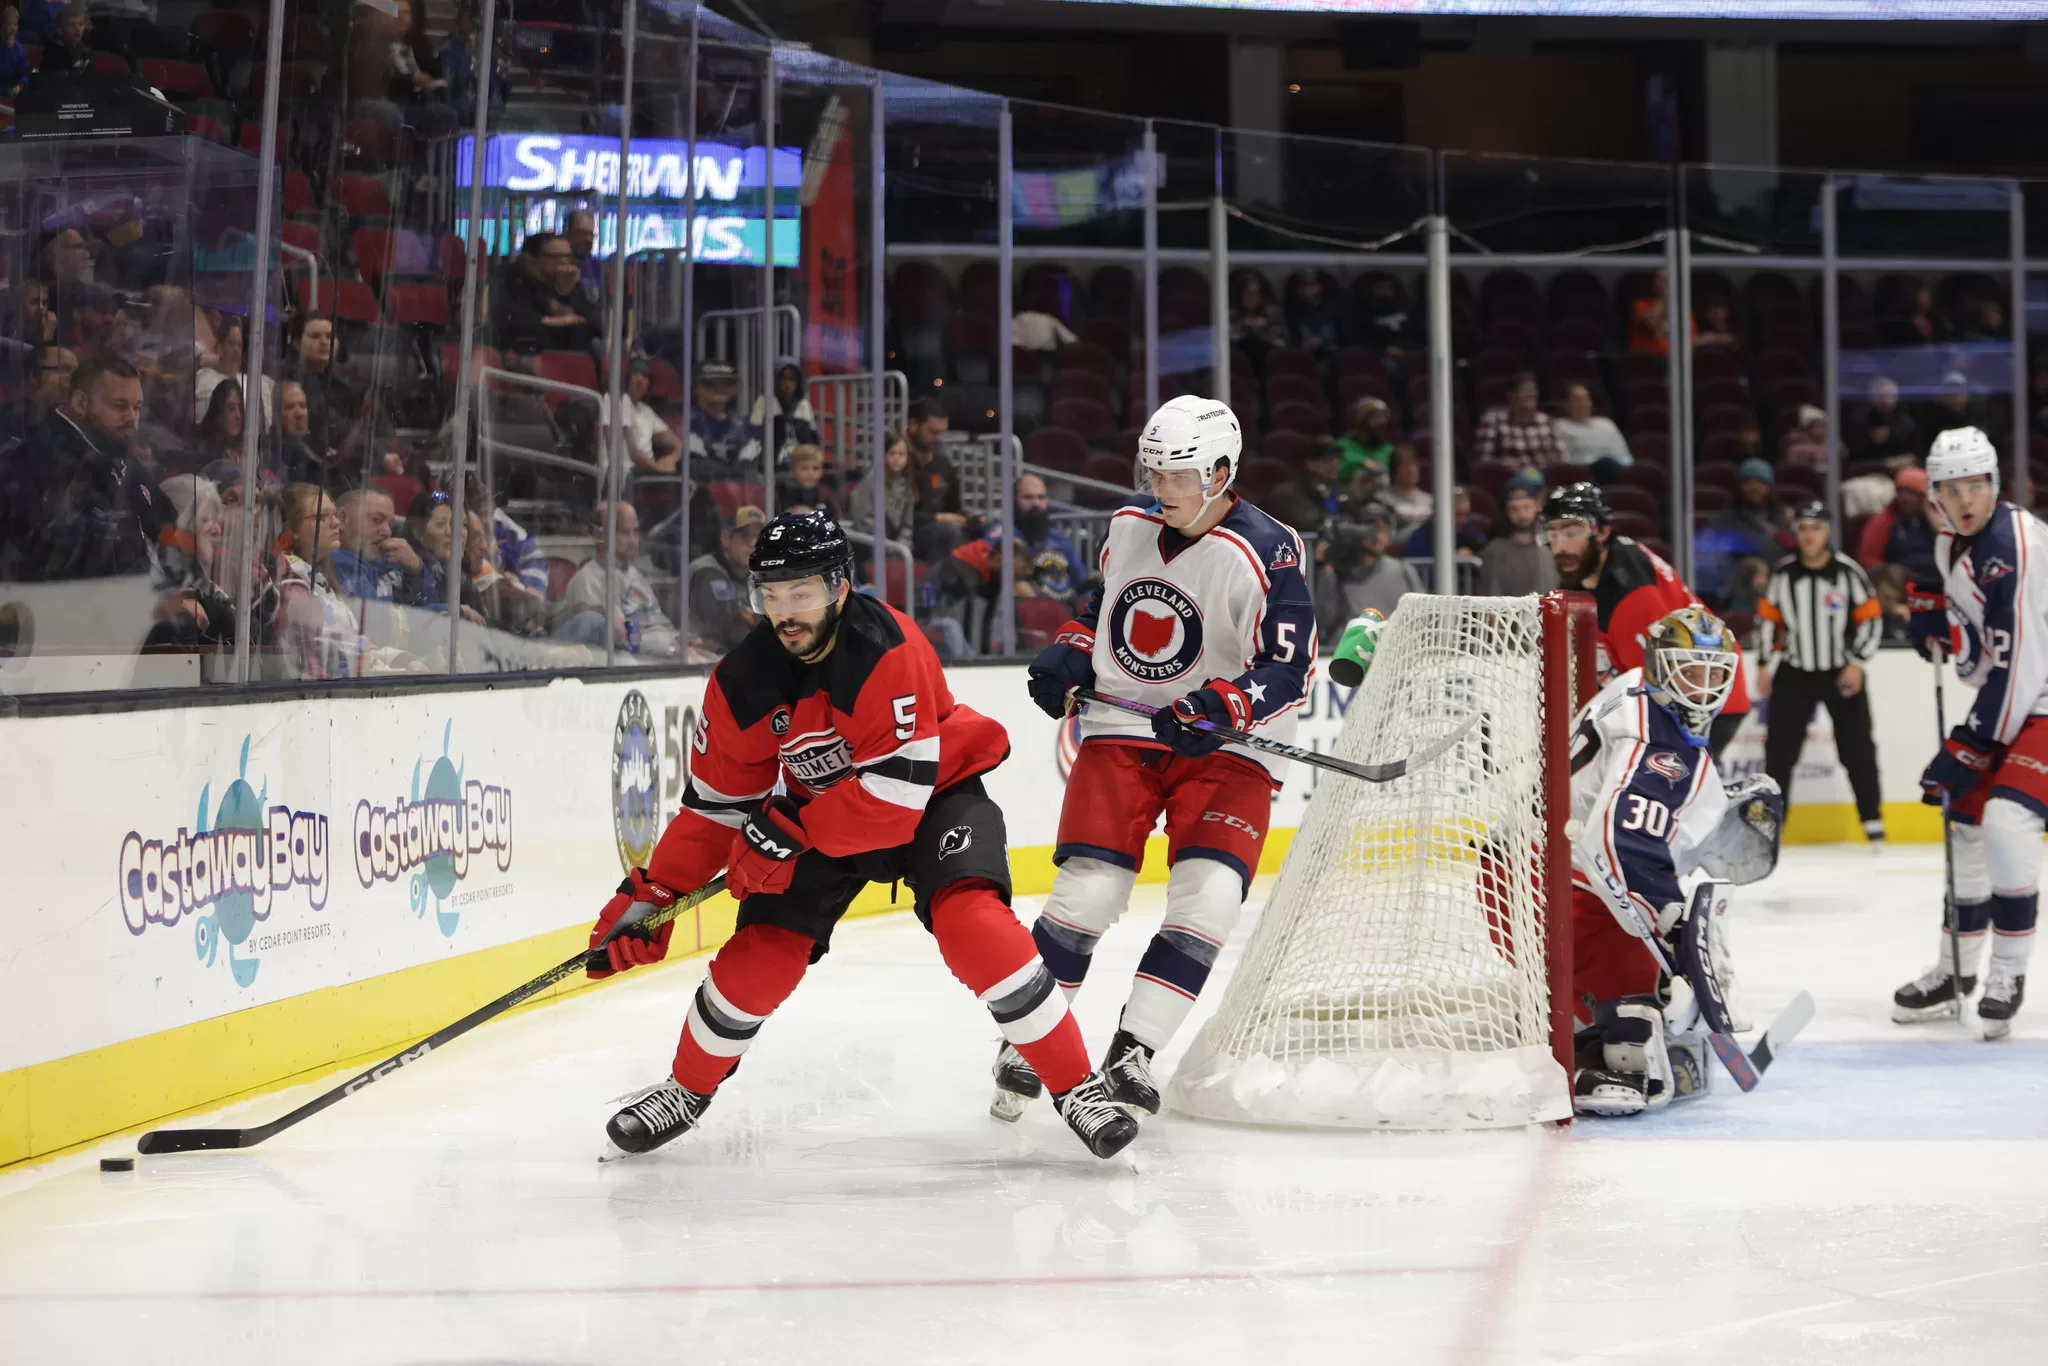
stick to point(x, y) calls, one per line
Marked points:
point(837, 699)
point(1203, 612)
point(1632, 589)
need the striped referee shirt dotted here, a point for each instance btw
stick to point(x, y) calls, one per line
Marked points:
point(1818, 620)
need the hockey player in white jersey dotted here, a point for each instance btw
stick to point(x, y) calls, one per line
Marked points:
point(1648, 809)
point(1990, 615)
point(1204, 613)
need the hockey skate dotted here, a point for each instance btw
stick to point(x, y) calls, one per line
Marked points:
point(1016, 1084)
point(1128, 1069)
point(1095, 1117)
point(2004, 992)
point(1623, 1063)
point(661, 1113)
point(1930, 996)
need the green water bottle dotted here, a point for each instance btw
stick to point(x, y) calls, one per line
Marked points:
point(1355, 647)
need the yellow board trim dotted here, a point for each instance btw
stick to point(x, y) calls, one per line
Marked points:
point(50, 1108)
point(1836, 823)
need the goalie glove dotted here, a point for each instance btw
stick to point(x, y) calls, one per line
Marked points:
point(1743, 847)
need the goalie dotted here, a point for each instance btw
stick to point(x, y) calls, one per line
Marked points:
point(1648, 808)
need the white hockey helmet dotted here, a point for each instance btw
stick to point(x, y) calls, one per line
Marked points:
point(1962, 453)
point(1193, 434)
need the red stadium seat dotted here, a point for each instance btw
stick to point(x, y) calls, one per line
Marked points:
point(109, 64)
point(1056, 448)
point(362, 196)
point(419, 306)
point(176, 78)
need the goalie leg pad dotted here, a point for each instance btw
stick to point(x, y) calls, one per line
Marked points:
point(1624, 1065)
point(1088, 896)
point(1203, 900)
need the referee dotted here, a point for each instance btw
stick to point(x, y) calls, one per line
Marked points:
point(1818, 625)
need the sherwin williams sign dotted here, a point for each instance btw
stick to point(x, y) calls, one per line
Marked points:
point(730, 188)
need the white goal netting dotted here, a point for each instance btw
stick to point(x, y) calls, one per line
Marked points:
point(1397, 977)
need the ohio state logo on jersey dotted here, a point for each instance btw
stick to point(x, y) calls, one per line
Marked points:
point(818, 759)
point(1155, 631)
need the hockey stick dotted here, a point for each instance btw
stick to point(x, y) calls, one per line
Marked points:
point(1706, 989)
point(196, 1140)
point(1748, 1068)
point(1951, 916)
point(1372, 773)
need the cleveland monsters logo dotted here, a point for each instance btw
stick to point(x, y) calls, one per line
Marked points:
point(1155, 631)
point(956, 841)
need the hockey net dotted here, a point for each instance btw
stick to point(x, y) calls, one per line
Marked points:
point(1411, 968)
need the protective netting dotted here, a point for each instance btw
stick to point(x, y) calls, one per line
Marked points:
point(1397, 975)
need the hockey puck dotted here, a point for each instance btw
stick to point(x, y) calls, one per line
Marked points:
point(117, 1164)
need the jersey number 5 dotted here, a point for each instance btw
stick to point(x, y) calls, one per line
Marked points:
point(1652, 817)
point(906, 716)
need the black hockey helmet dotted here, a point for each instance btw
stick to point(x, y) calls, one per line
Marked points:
point(801, 545)
point(796, 545)
point(1582, 502)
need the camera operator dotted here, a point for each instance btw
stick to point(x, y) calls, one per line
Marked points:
point(1354, 572)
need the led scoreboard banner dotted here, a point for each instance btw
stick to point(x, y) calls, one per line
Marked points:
point(540, 177)
point(2008, 11)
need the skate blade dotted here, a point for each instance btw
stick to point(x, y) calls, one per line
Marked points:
point(1008, 1106)
point(1995, 1030)
point(614, 1153)
point(1923, 1014)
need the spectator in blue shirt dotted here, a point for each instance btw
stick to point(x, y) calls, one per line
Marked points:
point(372, 561)
point(13, 56)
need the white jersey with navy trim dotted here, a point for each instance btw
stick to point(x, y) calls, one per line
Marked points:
point(1174, 613)
point(1997, 588)
point(1644, 797)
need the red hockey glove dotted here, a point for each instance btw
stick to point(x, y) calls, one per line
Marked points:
point(1960, 765)
point(764, 852)
point(1929, 626)
point(638, 897)
point(1066, 664)
point(1218, 702)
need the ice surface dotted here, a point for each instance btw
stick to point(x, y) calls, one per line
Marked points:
point(1882, 1197)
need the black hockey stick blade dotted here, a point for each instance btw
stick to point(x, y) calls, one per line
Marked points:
point(1371, 773)
point(200, 1140)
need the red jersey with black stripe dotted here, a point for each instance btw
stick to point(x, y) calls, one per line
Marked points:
point(1636, 589)
point(860, 739)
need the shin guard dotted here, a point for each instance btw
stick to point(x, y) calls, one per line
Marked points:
point(752, 975)
point(994, 957)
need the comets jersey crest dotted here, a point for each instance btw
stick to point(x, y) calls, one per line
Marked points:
point(1174, 613)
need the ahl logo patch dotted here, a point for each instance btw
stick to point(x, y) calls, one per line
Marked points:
point(1668, 766)
point(955, 841)
point(1155, 631)
point(779, 722)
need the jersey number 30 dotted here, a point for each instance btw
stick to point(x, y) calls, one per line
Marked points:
point(1648, 815)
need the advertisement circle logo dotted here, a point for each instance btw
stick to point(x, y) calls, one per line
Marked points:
point(636, 783)
point(1155, 631)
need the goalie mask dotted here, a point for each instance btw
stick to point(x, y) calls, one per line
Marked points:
point(1689, 668)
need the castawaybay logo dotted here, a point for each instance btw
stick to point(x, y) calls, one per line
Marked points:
point(449, 826)
point(226, 872)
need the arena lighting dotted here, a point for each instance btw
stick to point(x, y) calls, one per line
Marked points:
point(1994, 11)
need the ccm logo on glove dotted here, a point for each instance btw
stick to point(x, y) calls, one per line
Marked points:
point(764, 854)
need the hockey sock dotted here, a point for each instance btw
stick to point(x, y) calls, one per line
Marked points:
point(1087, 897)
point(1203, 898)
point(1973, 921)
point(2013, 919)
point(751, 975)
point(995, 958)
